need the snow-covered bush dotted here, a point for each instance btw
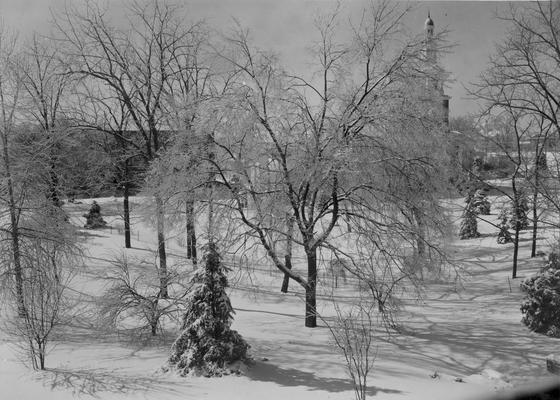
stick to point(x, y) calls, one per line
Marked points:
point(469, 225)
point(206, 344)
point(541, 307)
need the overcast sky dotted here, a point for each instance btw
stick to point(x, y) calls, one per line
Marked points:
point(285, 26)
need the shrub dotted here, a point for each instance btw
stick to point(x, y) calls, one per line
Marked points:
point(49, 267)
point(134, 295)
point(354, 336)
point(541, 307)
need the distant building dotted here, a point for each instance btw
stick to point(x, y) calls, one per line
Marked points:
point(435, 76)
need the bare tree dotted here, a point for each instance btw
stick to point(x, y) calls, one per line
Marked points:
point(511, 129)
point(349, 142)
point(49, 266)
point(27, 197)
point(526, 64)
point(46, 83)
point(141, 67)
point(353, 332)
point(132, 294)
point(537, 175)
point(522, 79)
point(10, 98)
point(106, 116)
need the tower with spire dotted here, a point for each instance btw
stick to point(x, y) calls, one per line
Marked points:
point(430, 51)
point(434, 74)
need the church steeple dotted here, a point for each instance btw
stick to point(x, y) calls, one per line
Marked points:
point(429, 44)
point(434, 74)
point(429, 24)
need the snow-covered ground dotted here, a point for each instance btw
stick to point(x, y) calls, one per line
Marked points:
point(462, 342)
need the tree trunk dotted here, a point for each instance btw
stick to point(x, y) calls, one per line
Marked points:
point(14, 230)
point(311, 289)
point(288, 256)
point(535, 225)
point(16, 254)
point(515, 250)
point(421, 236)
point(153, 327)
point(191, 233)
point(535, 211)
point(126, 207)
point(53, 195)
point(163, 278)
point(286, 280)
point(517, 226)
point(211, 233)
point(42, 350)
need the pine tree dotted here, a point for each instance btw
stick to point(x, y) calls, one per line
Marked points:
point(522, 209)
point(469, 226)
point(542, 164)
point(476, 168)
point(480, 202)
point(93, 218)
point(504, 236)
point(540, 308)
point(206, 344)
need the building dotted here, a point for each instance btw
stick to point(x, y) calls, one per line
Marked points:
point(434, 76)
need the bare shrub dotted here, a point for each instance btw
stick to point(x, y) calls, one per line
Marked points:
point(134, 294)
point(48, 268)
point(354, 335)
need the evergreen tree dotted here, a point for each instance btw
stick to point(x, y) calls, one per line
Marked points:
point(542, 164)
point(504, 236)
point(541, 306)
point(206, 344)
point(469, 226)
point(93, 217)
point(476, 169)
point(480, 202)
point(522, 209)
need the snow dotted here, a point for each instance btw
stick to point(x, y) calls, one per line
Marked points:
point(462, 342)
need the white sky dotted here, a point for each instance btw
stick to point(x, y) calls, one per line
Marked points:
point(284, 26)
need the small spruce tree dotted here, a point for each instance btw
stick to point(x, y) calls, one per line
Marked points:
point(480, 202)
point(469, 225)
point(207, 345)
point(93, 217)
point(542, 163)
point(522, 209)
point(504, 236)
point(476, 169)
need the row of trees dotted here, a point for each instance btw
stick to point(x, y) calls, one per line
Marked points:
point(39, 247)
point(348, 143)
point(336, 164)
point(519, 92)
point(221, 119)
